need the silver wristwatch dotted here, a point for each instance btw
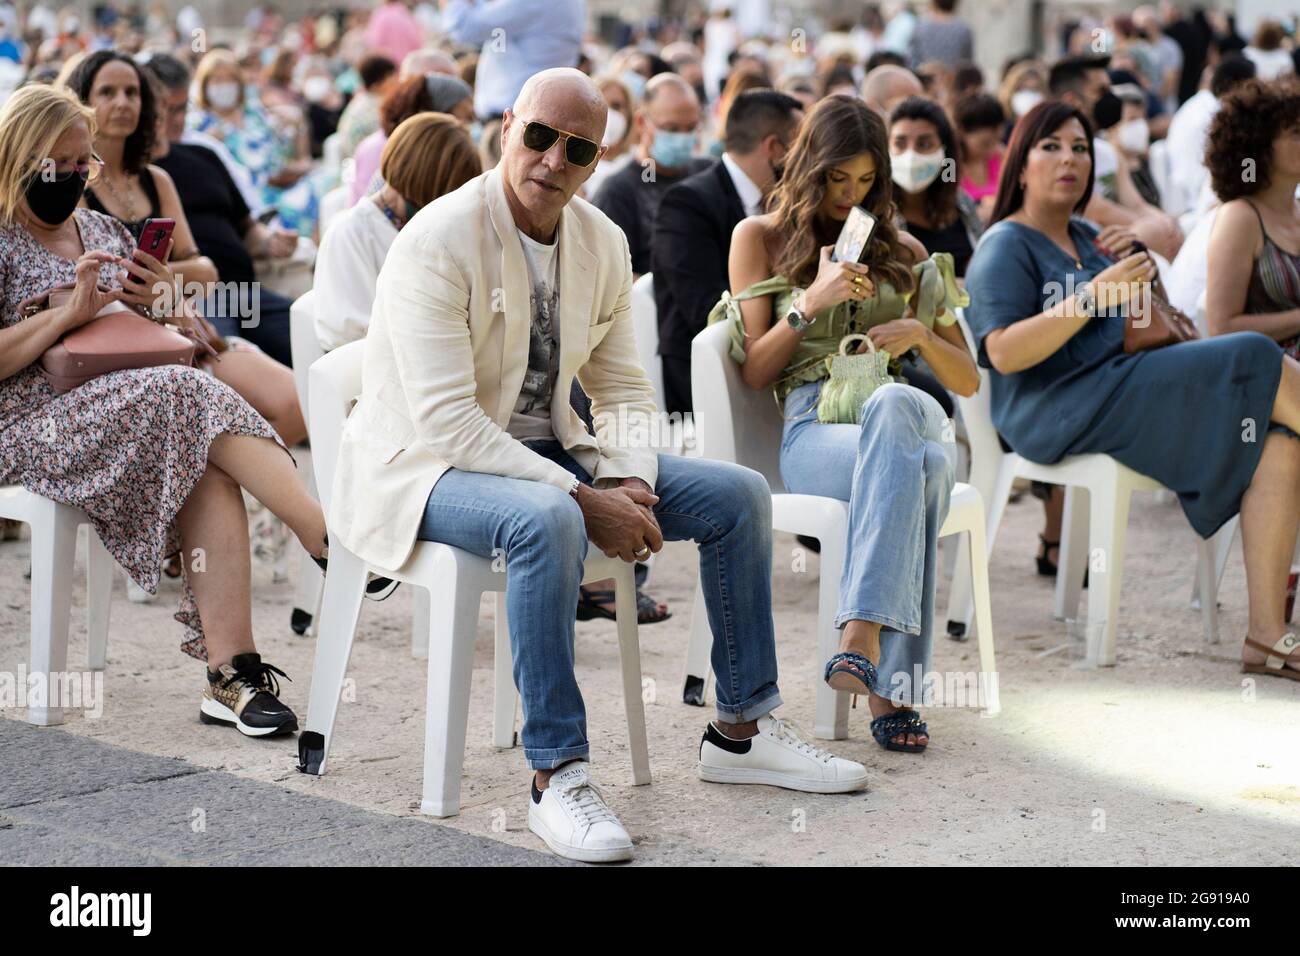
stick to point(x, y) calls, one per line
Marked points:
point(795, 316)
point(573, 488)
point(1085, 301)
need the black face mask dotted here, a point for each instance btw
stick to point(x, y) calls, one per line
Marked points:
point(1107, 111)
point(52, 201)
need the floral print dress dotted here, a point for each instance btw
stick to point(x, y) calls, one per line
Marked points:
point(128, 447)
point(263, 149)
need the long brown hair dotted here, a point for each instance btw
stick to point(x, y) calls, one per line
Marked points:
point(838, 129)
point(1040, 122)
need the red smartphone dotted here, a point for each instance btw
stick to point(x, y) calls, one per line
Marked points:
point(155, 236)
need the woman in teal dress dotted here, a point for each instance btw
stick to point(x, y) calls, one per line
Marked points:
point(1213, 420)
point(789, 309)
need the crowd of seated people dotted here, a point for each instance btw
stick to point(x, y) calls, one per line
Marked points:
point(724, 167)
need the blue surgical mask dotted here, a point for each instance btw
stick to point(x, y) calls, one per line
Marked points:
point(672, 150)
point(634, 82)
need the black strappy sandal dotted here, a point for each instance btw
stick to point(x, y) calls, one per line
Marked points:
point(900, 723)
point(1047, 567)
point(596, 603)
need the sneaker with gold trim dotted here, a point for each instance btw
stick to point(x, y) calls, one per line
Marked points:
point(245, 694)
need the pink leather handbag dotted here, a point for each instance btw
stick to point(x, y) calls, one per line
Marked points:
point(117, 338)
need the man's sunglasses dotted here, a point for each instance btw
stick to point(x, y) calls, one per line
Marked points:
point(577, 150)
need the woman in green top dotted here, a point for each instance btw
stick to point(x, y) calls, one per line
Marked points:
point(894, 466)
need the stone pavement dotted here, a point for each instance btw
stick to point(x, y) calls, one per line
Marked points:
point(1172, 757)
point(72, 801)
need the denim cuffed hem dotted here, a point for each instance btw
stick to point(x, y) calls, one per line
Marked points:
point(884, 620)
point(758, 706)
point(550, 759)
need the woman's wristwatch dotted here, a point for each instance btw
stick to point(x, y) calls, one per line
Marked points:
point(795, 317)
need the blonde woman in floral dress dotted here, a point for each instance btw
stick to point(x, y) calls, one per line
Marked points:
point(155, 457)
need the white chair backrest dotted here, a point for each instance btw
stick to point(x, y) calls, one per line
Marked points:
point(331, 204)
point(334, 384)
point(1159, 162)
point(733, 422)
point(977, 410)
point(332, 152)
point(645, 325)
point(304, 346)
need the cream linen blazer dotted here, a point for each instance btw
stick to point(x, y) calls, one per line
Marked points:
point(445, 357)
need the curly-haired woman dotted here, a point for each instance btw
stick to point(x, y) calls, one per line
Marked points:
point(1253, 265)
point(894, 466)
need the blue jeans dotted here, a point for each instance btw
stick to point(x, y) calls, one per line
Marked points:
point(540, 531)
point(271, 331)
point(895, 469)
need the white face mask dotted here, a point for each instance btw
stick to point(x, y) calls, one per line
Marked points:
point(223, 96)
point(913, 171)
point(1022, 101)
point(615, 128)
point(1133, 136)
point(316, 88)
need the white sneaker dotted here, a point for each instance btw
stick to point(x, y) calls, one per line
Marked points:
point(572, 817)
point(779, 757)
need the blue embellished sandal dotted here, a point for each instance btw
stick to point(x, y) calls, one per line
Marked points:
point(851, 673)
point(885, 728)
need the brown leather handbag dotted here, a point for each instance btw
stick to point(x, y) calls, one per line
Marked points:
point(116, 339)
point(1153, 322)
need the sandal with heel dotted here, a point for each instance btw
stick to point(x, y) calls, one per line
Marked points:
point(851, 673)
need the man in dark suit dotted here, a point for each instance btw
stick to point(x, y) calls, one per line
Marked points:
point(692, 233)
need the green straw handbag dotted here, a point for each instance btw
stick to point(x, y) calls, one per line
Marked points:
point(853, 378)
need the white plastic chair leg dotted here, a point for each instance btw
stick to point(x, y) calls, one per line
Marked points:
point(832, 716)
point(1207, 589)
point(54, 545)
point(629, 652)
point(1072, 563)
point(99, 594)
point(420, 612)
point(695, 690)
point(1108, 529)
point(335, 629)
point(311, 582)
point(505, 696)
point(451, 670)
point(995, 493)
point(308, 590)
point(977, 550)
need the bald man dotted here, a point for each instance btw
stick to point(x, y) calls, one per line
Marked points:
point(887, 86)
point(491, 300)
point(667, 128)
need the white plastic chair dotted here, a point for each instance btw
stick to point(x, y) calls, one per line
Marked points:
point(54, 541)
point(743, 425)
point(1158, 161)
point(1098, 480)
point(305, 348)
point(645, 325)
point(455, 580)
point(331, 204)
